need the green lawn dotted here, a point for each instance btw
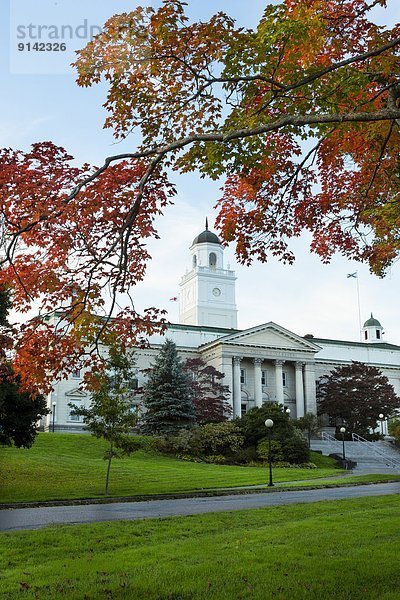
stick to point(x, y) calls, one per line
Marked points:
point(62, 466)
point(343, 550)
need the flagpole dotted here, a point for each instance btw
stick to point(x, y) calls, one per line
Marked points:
point(359, 308)
point(355, 276)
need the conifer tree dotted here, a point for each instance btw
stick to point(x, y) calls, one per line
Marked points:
point(20, 411)
point(168, 395)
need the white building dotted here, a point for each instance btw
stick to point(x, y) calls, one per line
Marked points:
point(264, 363)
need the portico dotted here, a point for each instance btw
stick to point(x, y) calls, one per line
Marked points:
point(265, 364)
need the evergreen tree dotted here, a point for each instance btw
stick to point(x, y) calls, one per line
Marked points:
point(19, 411)
point(110, 414)
point(168, 395)
point(210, 395)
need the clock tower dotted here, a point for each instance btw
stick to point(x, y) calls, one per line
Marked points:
point(208, 290)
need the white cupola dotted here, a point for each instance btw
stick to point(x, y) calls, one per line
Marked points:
point(372, 331)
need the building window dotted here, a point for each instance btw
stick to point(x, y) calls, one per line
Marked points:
point(378, 334)
point(244, 409)
point(242, 375)
point(213, 259)
point(76, 374)
point(134, 384)
point(284, 379)
point(74, 417)
point(366, 335)
point(263, 377)
point(194, 261)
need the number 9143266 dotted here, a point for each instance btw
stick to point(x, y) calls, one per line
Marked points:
point(42, 47)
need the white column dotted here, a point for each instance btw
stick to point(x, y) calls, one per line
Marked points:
point(279, 381)
point(237, 388)
point(225, 367)
point(257, 382)
point(309, 386)
point(299, 390)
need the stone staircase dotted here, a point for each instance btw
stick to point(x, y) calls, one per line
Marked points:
point(371, 457)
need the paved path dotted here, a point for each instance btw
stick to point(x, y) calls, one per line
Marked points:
point(35, 518)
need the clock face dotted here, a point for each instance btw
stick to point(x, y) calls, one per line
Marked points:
point(216, 292)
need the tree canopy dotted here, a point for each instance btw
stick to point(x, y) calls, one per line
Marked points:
point(210, 395)
point(355, 395)
point(284, 112)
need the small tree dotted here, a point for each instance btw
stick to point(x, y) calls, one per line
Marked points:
point(355, 395)
point(210, 395)
point(110, 414)
point(394, 429)
point(309, 424)
point(168, 395)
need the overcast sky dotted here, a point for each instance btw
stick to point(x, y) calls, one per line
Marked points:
point(40, 101)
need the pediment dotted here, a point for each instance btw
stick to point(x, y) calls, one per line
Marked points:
point(76, 393)
point(269, 335)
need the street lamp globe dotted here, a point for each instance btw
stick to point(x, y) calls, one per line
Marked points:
point(269, 423)
point(342, 429)
point(381, 415)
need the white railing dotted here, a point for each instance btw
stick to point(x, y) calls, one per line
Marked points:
point(372, 449)
point(327, 437)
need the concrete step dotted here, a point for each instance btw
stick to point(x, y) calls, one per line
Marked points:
point(367, 459)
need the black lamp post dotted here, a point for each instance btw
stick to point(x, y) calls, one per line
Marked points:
point(54, 414)
point(342, 431)
point(269, 425)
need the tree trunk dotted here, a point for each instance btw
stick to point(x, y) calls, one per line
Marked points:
point(108, 467)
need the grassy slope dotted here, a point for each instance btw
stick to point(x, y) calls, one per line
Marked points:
point(346, 549)
point(71, 466)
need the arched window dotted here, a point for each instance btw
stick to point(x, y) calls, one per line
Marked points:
point(194, 261)
point(213, 259)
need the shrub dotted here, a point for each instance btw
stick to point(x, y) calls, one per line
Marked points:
point(217, 439)
point(176, 444)
point(252, 424)
point(189, 458)
point(215, 459)
point(296, 451)
point(245, 456)
point(276, 450)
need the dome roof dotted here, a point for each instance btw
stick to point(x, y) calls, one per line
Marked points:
point(372, 322)
point(206, 237)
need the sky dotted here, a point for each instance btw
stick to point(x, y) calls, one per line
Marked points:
point(41, 101)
